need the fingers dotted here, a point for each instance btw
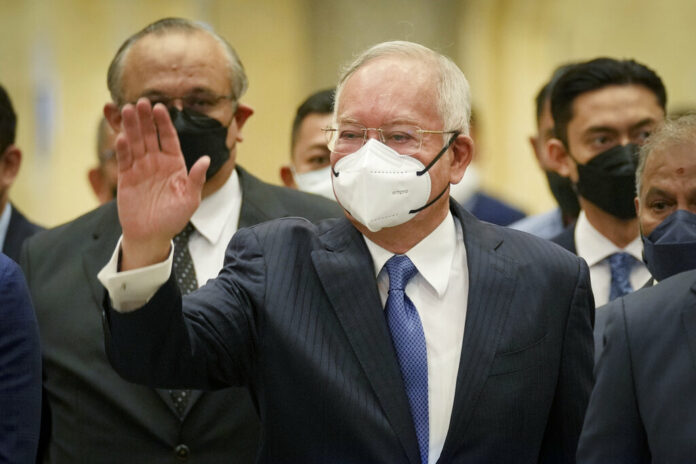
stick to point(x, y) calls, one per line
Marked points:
point(123, 156)
point(148, 131)
point(197, 173)
point(132, 131)
point(168, 139)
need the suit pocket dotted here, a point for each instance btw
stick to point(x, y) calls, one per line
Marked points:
point(528, 357)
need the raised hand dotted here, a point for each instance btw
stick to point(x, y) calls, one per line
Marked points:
point(156, 196)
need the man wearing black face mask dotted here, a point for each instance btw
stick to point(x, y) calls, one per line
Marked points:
point(642, 408)
point(548, 225)
point(97, 416)
point(603, 110)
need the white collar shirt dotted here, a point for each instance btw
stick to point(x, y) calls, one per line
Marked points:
point(216, 221)
point(595, 248)
point(5, 223)
point(439, 291)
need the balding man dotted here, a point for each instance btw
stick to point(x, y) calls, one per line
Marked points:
point(407, 331)
point(97, 417)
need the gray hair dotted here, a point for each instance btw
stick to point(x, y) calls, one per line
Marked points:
point(672, 132)
point(453, 94)
point(238, 79)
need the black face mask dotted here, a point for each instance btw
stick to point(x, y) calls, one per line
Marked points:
point(671, 246)
point(201, 135)
point(564, 193)
point(609, 180)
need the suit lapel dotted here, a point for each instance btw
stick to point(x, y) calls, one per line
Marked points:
point(347, 275)
point(689, 318)
point(257, 205)
point(491, 287)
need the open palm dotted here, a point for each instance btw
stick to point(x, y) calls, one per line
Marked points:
point(156, 196)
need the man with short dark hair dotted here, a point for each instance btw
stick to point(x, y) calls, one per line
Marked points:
point(603, 110)
point(309, 156)
point(406, 331)
point(551, 223)
point(643, 406)
point(97, 417)
point(14, 227)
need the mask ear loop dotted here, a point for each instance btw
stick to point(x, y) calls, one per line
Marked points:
point(430, 165)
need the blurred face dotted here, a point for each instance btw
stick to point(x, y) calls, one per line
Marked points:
point(607, 117)
point(185, 67)
point(397, 90)
point(310, 152)
point(668, 184)
point(544, 134)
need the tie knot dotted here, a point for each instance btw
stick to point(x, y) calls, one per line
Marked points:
point(621, 262)
point(400, 270)
point(183, 236)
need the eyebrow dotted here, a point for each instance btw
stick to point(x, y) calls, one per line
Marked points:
point(656, 191)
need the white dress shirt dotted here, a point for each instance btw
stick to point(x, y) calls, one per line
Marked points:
point(439, 291)
point(215, 220)
point(594, 248)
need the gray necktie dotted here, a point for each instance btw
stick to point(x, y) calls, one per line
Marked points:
point(186, 280)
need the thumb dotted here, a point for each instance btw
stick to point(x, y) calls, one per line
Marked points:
point(198, 170)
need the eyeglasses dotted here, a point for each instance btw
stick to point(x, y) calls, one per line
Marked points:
point(204, 103)
point(403, 138)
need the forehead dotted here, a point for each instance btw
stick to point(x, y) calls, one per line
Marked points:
point(671, 167)
point(615, 106)
point(175, 63)
point(390, 89)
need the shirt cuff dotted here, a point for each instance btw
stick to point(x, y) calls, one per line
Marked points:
point(129, 290)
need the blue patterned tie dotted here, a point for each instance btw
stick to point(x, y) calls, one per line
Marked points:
point(409, 342)
point(620, 264)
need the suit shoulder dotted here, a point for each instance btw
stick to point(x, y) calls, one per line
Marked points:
point(306, 205)
point(74, 232)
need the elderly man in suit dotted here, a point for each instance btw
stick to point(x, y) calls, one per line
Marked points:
point(14, 226)
point(407, 331)
point(20, 368)
point(95, 415)
point(642, 406)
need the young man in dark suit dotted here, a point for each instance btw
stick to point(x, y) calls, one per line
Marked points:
point(14, 227)
point(407, 331)
point(95, 415)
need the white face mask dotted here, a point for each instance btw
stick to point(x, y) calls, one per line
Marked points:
point(318, 182)
point(381, 188)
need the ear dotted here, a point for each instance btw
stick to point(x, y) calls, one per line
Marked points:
point(96, 180)
point(10, 162)
point(463, 154)
point(112, 113)
point(241, 116)
point(287, 177)
point(636, 203)
point(559, 159)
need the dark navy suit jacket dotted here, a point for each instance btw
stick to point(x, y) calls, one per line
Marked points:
point(20, 368)
point(296, 316)
point(643, 406)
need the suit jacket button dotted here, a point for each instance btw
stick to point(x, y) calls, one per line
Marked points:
point(182, 452)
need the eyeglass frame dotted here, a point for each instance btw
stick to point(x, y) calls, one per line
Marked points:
point(332, 132)
point(167, 100)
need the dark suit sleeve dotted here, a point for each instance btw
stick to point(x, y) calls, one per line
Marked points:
point(575, 376)
point(613, 431)
point(208, 346)
point(20, 368)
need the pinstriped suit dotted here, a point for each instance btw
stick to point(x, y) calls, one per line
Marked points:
point(296, 317)
point(97, 417)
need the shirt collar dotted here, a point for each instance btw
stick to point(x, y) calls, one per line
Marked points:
point(595, 247)
point(432, 256)
point(214, 210)
point(4, 223)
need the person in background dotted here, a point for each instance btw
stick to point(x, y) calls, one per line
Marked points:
point(14, 226)
point(309, 169)
point(643, 406)
point(104, 176)
point(20, 368)
point(350, 332)
point(551, 223)
point(470, 195)
point(96, 416)
point(603, 110)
